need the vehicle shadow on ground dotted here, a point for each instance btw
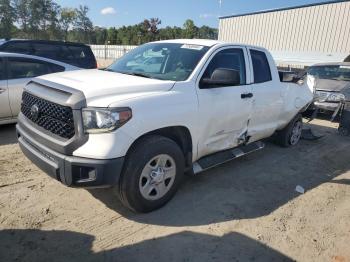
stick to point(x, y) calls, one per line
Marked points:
point(8, 135)
point(37, 245)
point(250, 187)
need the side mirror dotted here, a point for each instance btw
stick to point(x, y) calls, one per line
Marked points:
point(290, 77)
point(221, 77)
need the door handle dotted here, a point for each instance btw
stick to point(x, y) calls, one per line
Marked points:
point(246, 95)
point(2, 90)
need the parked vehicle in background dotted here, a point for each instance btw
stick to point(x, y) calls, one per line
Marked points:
point(330, 80)
point(75, 54)
point(140, 129)
point(16, 70)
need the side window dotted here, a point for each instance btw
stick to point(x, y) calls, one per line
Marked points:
point(261, 67)
point(47, 50)
point(2, 70)
point(80, 56)
point(26, 68)
point(56, 68)
point(18, 47)
point(232, 58)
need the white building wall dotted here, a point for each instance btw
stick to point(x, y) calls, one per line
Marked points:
point(322, 30)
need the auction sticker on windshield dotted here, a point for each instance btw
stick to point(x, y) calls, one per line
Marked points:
point(194, 47)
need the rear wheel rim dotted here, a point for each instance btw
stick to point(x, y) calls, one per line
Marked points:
point(296, 133)
point(157, 177)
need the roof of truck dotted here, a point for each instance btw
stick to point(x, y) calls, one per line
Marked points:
point(204, 42)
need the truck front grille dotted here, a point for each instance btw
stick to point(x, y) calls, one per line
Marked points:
point(53, 117)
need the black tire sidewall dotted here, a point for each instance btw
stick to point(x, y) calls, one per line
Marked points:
point(146, 149)
point(283, 136)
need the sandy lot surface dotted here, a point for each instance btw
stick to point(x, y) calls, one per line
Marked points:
point(245, 210)
point(103, 63)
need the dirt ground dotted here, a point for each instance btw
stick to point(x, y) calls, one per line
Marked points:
point(245, 210)
point(103, 63)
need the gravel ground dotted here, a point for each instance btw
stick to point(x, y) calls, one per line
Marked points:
point(245, 210)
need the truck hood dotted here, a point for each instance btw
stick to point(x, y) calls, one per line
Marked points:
point(96, 84)
point(331, 85)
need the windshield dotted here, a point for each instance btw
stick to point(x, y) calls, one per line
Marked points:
point(336, 72)
point(164, 61)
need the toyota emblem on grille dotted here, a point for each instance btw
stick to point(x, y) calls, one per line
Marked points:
point(34, 112)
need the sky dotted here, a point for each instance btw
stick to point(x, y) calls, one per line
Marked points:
point(116, 13)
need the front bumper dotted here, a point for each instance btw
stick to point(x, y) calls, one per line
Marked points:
point(70, 170)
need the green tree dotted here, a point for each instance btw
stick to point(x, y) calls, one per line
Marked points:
point(23, 13)
point(83, 24)
point(112, 35)
point(7, 18)
point(67, 20)
point(207, 32)
point(190, 30)
point(53, 27)
point(100, 35)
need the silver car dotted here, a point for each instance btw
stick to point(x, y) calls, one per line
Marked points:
point(16, 70)
point(331, 82)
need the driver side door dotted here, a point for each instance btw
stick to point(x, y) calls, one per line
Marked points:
point(224, 111)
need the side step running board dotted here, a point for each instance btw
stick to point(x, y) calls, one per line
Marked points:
point(225, 156)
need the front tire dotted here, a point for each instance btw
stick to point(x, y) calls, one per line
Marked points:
point(152, 174)
point(291, 134)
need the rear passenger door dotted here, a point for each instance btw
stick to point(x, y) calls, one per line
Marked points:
point(223, 110)
point(267, 99)
point(20, 72)
point(5, 110)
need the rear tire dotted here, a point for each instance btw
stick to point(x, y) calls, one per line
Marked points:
point(153, 171)
point(291, 134)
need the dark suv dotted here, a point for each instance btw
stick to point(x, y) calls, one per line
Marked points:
point(76, 54)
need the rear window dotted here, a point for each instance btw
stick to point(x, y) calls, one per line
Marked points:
point(261, 67)
point(48, 51)
point(80, 56)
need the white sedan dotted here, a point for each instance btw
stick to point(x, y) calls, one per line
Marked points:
point(16, 70)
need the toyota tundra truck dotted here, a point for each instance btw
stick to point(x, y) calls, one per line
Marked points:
point(163, 110)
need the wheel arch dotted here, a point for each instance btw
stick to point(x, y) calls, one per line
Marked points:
point(179, 134)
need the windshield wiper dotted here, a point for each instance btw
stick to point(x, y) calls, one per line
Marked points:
point(137, 74)
point(133, 74)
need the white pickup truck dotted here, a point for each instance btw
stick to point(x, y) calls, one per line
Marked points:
point(164, 109)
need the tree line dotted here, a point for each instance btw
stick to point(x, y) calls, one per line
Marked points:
point(46, 20)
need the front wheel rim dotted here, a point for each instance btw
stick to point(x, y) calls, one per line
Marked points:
point(296, 133)
point(157, 177)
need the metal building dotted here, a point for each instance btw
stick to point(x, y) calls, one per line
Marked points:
point(297, 36)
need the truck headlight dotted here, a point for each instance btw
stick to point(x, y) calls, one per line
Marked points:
point(323, 96)
point(335, 97)
point(102, 120)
